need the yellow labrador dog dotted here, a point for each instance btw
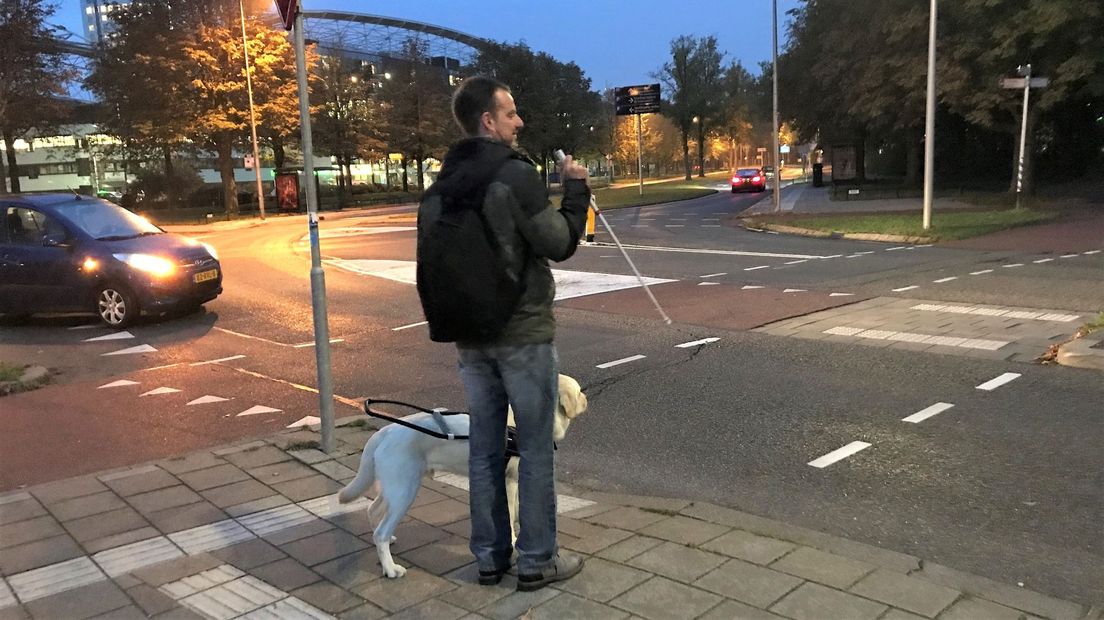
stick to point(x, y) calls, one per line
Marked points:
point(396, 457)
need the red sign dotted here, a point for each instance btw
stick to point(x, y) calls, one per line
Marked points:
point(288, 10)
point(287, 191)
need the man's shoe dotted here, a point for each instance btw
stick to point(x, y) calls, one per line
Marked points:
point(491, 577)
point(564, 566)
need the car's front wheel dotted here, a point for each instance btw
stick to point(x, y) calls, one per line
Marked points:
point(117, 306)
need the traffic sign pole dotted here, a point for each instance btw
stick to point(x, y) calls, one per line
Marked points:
point(640, 154)
point(317, 276)
point(1023, 139)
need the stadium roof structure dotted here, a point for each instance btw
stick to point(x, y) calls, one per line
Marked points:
point(343, 32)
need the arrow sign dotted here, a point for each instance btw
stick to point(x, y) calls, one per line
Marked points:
point(1036, 82)
point(640, 99)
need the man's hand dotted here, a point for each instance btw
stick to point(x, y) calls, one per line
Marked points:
point(571, 170)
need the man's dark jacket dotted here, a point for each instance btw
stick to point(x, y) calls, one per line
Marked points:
point(528, 229)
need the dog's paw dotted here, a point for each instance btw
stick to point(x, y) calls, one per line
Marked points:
point(345, 496)
point(394, 538)
point(394, 572)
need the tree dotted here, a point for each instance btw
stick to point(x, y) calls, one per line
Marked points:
point(33, 76)
point(416, 109)
point(347, 120)
point(174, 75)
point(693, 79)
point(553, 98)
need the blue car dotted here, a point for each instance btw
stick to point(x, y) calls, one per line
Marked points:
point(69, 253)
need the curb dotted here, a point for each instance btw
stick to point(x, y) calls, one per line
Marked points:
point(1079, 353)
point(806, 232)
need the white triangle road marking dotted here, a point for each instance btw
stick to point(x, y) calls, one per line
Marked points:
point(119, 383)
point(142, 348)
point(160, 390)
point(258, 409)
point(203, 400)
point(114, 336)
point(307, 421)
point(749, 287)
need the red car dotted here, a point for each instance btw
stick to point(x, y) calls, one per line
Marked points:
point(749, 180)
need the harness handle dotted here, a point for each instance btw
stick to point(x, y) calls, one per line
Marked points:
point(438, 416)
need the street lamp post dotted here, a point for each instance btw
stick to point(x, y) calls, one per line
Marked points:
point(252, 114)
point(774, 115)
point(929, 123)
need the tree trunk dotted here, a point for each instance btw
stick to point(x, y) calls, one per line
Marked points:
point(13, 166)
point(170, 186)
point(225, 148)
point(421, 178)
point(278, 154)
point(686, 154)
point(341, 182)
point(913, 165)
point(860, 159)
point(406, 182)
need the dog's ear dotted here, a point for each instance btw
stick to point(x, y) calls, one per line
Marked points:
point(572, 399)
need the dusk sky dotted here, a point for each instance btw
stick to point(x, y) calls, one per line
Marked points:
point(617, 43)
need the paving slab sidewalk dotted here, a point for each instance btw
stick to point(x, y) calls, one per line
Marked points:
point(251, 530)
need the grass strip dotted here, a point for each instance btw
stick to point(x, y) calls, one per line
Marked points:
point(10, 372)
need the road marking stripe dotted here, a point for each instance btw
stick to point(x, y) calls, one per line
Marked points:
point(794, 290)
point(840, 294)
point(1091, 252)
point(303, 345)
point(221, 359)
point(687, 345)
point(750, 287)
point(840, 454)
point(115, 336)
point(710, 225)
point(709, 283)
point(833, 256)
point(714, 275)
point(623, 360)
point(947, 341)
point(1042, 260)
point(655, 248)
point(978, 273)
point(797, 262)
point(119, 383)
point(900, 247)
point(1015, 265)
point(942, 280)
point(241, 335)
point(1067, 256)
point(396, 329)
point(905, 288)
point(928, 412)
point(993, 384)
point(756, 268)
point(674, 225)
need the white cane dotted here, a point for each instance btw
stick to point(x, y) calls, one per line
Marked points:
point(598, 212)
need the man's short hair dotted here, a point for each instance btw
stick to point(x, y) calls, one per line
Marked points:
point(475, 96)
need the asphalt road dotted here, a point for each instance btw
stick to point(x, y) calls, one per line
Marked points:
point(1007, 483)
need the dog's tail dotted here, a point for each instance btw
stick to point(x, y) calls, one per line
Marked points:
point(366, 473)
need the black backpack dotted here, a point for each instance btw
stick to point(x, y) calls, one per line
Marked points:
point(466, 290)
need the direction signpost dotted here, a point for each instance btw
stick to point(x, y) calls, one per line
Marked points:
point(1026, 83)
point(637, 100)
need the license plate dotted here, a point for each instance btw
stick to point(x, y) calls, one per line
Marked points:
point(204, 276)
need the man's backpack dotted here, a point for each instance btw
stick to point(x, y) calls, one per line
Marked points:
point(467, 292)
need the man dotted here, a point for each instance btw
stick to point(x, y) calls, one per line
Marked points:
point(517, 366)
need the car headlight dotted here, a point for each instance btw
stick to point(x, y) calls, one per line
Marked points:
point(148, 263)
point(210, 249)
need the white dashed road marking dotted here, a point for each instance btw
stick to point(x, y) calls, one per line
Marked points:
point(993, 384)
point(840, 454)
point(623, 360)
point(905, 288)
point(115, 336)
point(928, 412)
point(894, 336)
point(714, 275)
point(119, 383)
point(978, 273)
point(1001, 312)
point(396, 329)
point(942, 280)
point(221, 359)
point(757, 268)
point(1042, 260)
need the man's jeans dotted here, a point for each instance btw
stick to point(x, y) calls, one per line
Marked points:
point(525, 377)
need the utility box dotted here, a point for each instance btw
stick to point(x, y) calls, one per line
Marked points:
point(818, 175)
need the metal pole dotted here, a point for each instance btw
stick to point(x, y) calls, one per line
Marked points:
point(1023, 139)
point(252, 115)
point(317, 276)
point(639, 155)
point(929, 123)
point(774, 130)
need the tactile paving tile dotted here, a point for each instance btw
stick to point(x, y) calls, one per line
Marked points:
point(290, 608)
point(41, 582)
point(275, 519)
point(125, 559)
point(233, 599)
point(211, 536)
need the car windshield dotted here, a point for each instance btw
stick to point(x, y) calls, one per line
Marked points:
point(106, 222)
point(747, 172)
point(768, 168)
